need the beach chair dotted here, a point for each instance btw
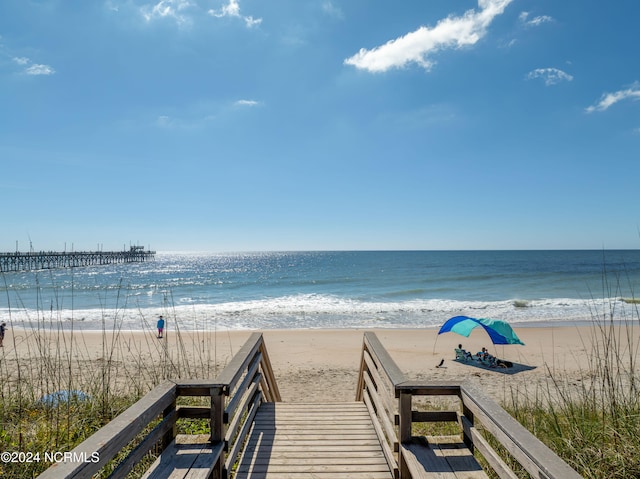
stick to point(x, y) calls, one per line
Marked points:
point(461, 354)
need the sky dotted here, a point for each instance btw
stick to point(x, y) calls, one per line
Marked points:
point(247, 125)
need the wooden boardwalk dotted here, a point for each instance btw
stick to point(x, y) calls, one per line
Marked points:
point(295, 441)
point(253, 435)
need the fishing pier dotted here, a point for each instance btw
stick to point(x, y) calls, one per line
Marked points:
point(34, 261)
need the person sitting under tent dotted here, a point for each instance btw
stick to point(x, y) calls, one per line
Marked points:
point(462, 354)
point(484, 356)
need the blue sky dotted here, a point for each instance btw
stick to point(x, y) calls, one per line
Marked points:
point(233, 125)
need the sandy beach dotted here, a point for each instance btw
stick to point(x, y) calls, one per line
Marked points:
point(310, 365)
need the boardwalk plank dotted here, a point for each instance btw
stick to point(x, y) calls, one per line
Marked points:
point(313, 475)
point(184, 461)
point(295, 441)
point(458, 456)
point(441, 458)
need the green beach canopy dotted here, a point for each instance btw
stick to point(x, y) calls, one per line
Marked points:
point(499, 331)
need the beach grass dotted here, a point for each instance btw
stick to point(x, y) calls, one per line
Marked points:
point(60, 390)
point(92, 392)
point(592, 419)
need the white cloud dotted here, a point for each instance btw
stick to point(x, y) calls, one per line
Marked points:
point(163, 121)
point(37, 69)
point(330, 9)
point(111, 6)
point(415, 47)
point(232, 9)
point(540, 20)
point(252, 22)
point(167, 9)
point(551, 76)
point(535, 21)
point(609, 99)
point(33, 68)
point(511, 43)
point(247, 103)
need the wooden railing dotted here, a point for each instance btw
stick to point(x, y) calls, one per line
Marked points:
point(248, 380)
point(377, 381)
point(234, 395)
point(389, 397)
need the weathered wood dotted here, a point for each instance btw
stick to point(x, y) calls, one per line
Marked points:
point(316, 475)
point(199, 387)
point(382, 386)
point(127, 464)
point(267, 369)
point(232, 373)
point(108, 441)
point(381, 412)
point(434, 416)
point(404, 408)
point(361, 373)
point(194, 412)
point(235, 449)
point(528, 450)
point(282, 444)
point(185, 461)
point(422, 388)
point(384, 360)
point(422, 459)
point(490, 455)
point(111, 438)
point(239, 419)
point(418, 461)
point(295, 441)
point(249, 379)
point(458, 456)
point(388, 442)
point(218, 429)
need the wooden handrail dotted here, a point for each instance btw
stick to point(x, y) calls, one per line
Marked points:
point(376, 387)
point(384, 362)
point(528, 450)
point(235, 394)
point(378, 368)
point(111, 438)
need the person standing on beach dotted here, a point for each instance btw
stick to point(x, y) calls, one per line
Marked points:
point(160, 326)
point(3, 328)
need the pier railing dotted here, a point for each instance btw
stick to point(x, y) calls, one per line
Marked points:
point(234, 396)
point(389, 395)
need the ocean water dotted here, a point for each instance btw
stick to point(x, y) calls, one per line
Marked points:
point(367, 289)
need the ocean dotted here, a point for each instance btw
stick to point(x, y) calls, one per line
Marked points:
point(345, 289)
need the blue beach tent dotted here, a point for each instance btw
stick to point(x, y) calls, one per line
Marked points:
point(499, 331)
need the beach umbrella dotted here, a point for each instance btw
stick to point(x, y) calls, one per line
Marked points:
point(499, 331)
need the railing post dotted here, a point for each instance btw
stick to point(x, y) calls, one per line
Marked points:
point(467, 413)
point(404, 430)
point(171, 433)
point(218, 428)
point(267, 369)
point(363, 371)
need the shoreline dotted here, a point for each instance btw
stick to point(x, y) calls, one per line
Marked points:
point(77, 326)
point(313, 365)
